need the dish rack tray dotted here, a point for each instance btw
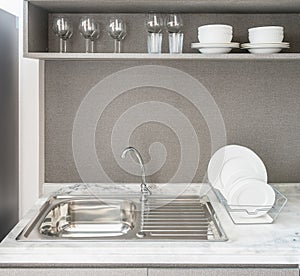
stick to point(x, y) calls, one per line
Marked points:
point(252, 214)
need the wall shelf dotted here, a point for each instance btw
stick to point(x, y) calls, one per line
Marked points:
point(145, 56)
point(40, 41)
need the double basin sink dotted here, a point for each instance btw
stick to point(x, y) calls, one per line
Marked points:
point(92, 218)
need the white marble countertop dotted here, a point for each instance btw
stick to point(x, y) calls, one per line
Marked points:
point(277, 243)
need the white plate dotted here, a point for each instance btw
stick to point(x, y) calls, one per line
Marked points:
point(215, 45)
point(264, 50)
point(222, 155)
point(238, 168)
point(214, 50)
point(265, 45)
point(251, 195)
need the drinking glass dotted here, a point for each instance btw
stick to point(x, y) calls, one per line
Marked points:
point(117, 30)
point(63, 29)
point(155, 25)
point(90, 30)
point(175, 43)
point(154, 41)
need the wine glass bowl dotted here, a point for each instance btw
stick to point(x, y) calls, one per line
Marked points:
point(117, 30)
point(62, 27)
point(174, 23)
point(89, 28)
point(154, 23)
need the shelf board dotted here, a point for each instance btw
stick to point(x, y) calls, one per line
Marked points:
point(145, 56)
point(194, 6)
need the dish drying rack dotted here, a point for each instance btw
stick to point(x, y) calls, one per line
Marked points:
point(253, 214)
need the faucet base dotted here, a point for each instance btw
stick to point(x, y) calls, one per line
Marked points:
point(140, 235)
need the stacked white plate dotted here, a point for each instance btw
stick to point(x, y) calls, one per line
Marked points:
point(265, 48)
point(215, 48)
point(241, 176)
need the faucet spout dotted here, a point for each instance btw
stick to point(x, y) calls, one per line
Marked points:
point(144, 188)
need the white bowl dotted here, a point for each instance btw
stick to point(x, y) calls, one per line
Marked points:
point(215, 33)
point(267, 34)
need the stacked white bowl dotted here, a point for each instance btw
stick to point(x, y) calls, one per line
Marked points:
point(266, 40)
point(266, 34)
point(215, 33)
point(241, 176)
point(215, 39)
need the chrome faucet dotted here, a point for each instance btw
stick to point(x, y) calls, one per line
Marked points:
point(144, 189)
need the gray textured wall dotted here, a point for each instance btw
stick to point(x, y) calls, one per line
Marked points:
point(259, 102)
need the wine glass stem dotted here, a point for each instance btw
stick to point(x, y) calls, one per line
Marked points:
point(117, 46)
point(92, 46)
point(87, 45)
point(62, 45)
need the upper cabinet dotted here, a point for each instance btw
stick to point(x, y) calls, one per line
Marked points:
point(41, 42)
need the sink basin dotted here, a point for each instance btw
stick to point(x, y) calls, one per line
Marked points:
point(91, 218)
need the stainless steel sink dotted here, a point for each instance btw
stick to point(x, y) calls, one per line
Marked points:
point(93, 218)
point(84, 218)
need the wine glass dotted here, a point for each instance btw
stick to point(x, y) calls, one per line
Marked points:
point(174, 23)
point(89, 28)
point(117, 30)
point(63, 28)
point(155, 25)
